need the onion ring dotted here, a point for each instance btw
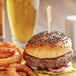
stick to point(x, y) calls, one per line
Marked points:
point(13, 68)
point(22, 74)
point(4, 73)
point(10, 53)
point(5, 50)
point(10, 60)
point(12, 46)
point(4, 68)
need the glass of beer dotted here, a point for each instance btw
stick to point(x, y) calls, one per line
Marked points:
point(22, 15)
point(0, 19)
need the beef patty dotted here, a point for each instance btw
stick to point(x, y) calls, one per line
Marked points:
point(48, 62)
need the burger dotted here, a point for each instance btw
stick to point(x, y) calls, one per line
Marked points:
point(49, 54)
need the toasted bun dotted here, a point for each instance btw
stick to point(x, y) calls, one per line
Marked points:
point(65, 74)
point(42, 74)
point(48, 45)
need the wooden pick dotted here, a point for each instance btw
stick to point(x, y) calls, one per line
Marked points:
point(49, 17)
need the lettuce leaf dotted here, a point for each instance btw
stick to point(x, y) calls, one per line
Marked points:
point(39, 71)
point(74, 65)
point(58, 74)
point(50, 74)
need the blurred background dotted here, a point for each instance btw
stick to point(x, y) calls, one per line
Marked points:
point(60, 9)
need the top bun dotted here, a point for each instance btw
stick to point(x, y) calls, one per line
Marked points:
point(48, 45)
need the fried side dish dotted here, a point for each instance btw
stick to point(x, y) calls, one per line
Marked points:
point(9, 53)
point(17, 69)
point(10, 61)
point(14, 68)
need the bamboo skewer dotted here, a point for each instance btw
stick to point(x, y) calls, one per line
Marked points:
point(49, 17)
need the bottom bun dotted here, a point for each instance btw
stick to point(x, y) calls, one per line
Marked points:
point(42, 74)
point(65, 74)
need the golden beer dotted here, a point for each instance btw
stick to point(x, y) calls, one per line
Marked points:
point(22, 18)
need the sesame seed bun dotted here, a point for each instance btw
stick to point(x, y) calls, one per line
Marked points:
point(48, 45)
